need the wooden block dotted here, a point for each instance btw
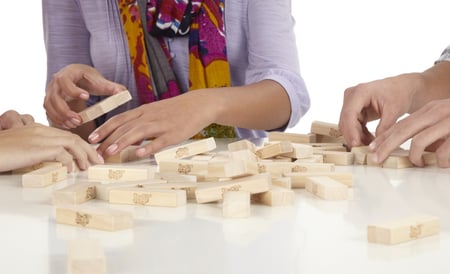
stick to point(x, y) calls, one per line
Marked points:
point(429, 158)
point(298, 179)
point(274, 149)
point(185, 167)
point(336, 147)
point(360, 154)
point(236, 204)
point(35, 167)
point(300, 151)
point(148, 197)
point(339, 158)
point(291, 137)
point(175, 177)
point(105, 106)
point(242, 144)
point(44, 176)
point(120, 173)
point(188, 187)
point(76, 193)
point(403, 230)
point(324, 128)
point(329, 139)
point(214, 191)
point(128, 154)
point(203, 157)
point(276, 196)
point(85, 256)
point(397, 162)
point(243, 154)
point(326, 188)
point(102, 190)
point(232, 169)
point(315, 158)
point(94, 217)
point(285, 182)
point(186, 150)
point(278, 169)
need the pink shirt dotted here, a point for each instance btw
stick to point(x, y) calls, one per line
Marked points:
point(260, 45)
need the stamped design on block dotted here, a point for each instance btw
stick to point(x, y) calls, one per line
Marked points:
point(181, 152)
point(82, 219)
point(141, 199)
point(90, 192)
point(115, 174)
point(415, 231)
point(184, 169)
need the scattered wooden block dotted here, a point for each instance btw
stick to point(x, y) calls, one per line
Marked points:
point(35, 167)
point(243, 154)
point(44, 176)
point(186, 150)
point(102, 190)
point(285, 182)
point(120, 173)
point(278, 169)
point(315, 158)
point(188, 187)
point(76, 193)
point(203, 157)
point(339, 158)
point(94, 217)
point(397, 162)
point(291, 137)
point(232, 169)
point(128, 154)
point(212, 192)
point(85, 256)
point(236, 204)
point(274, 149)
point(326, 188)
point(403, 230)
point(327, 129)
point(360, 154)
point(329, 139)
point(243, 144)
point(148, 197)
point(175, 177)
point(298, 179)
point(276, 196)
point(185, 167)
point(105, 106)
point(300, 151)
point(429, 158)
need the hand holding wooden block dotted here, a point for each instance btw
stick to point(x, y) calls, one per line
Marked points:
point(105, 106)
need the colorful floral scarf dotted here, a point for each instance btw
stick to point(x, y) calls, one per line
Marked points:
point(203, 21)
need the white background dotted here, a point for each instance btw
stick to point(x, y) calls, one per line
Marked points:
point(340, 43)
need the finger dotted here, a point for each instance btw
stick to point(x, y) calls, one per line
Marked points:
point(153, 146)
point(431, 135)
point(101, 86)
point(388, 118)
point(27, 119)
point(68, 89)
point(397, 134)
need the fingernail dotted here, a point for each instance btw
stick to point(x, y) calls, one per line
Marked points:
point(100, 159)
point(93, 136)
point(141, 151)
point(372, 146)
point(112, 148)
point(84, 96)
point(75, 121)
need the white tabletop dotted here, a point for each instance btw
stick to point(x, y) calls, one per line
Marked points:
point(314, 236)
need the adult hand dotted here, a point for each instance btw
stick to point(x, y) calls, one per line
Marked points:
point(33, 144)
point(429, 127)
point(71, 86)
point(11, 119)
point(387, 99)
point(170, 121)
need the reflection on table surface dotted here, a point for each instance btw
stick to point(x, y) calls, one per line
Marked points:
point(313, 236)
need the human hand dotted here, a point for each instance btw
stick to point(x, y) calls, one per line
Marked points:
point(36, 143)
point(71, 86)
point(11, 119)
point(387, 99)
point(170, 121)
point(429, 127)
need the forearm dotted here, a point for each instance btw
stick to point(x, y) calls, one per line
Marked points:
point(435, 85)
point(264, 105)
